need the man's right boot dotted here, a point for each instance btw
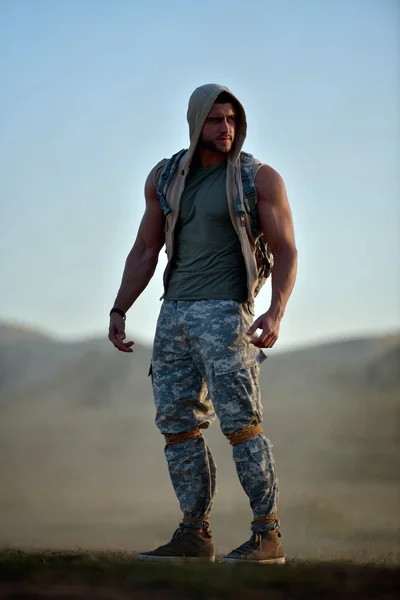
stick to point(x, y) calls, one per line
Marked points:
point(187, 543)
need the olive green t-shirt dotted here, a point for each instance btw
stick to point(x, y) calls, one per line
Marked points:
point(208, 263)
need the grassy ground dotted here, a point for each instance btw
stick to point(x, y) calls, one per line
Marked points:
point(118, 576)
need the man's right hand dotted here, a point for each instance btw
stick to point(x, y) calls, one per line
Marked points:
point(116, 333)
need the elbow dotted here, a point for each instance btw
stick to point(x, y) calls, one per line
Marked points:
point(144, 254)
point(151, 254)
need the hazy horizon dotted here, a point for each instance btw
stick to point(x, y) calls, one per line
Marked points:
point(340, 339)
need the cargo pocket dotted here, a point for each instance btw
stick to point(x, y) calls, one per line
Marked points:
point(256, 470)
point(232, 364)
point(259, 450)
point(236, 390)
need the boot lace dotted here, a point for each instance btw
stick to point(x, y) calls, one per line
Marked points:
point(180, 532)
point(254, 543)
point(183, 530)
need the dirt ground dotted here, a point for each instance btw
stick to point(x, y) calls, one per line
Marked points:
point(119, 576)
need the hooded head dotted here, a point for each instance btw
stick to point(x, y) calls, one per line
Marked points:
point(201, 102)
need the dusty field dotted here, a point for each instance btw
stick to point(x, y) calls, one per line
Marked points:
point(118, 576)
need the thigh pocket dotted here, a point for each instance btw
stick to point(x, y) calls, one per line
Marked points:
point(231, 364)
point(236, 390)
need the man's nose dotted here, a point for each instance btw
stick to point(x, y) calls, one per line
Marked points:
point(224, 126)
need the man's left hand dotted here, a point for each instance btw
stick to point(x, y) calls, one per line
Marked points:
point(269, 324)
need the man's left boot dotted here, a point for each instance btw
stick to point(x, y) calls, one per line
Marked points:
point(264, 547)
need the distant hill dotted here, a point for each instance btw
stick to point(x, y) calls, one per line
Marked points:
point(81, 461)
point(19, 333)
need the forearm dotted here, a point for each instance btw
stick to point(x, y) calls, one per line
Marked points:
point(139, 269)
point(283, 279)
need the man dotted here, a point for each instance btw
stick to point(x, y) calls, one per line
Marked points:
point(206, 353)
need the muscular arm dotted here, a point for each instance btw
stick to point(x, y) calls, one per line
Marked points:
point(142, 259)
point(277, 225)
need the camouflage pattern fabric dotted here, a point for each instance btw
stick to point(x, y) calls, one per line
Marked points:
point(203, 365)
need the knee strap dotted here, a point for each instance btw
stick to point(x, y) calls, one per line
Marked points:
point(242, 435)
point(177, 438)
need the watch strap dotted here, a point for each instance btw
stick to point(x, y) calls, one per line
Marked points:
point(118, 311)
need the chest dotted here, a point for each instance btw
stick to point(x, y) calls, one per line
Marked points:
point(204, 199)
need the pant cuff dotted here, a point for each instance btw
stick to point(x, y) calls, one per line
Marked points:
point(265, 523)
point(196, 523)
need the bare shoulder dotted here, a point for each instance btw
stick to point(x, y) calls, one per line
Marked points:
point(150, 188)
point(150, 235)
point(155, 173)
point(274, 210)
point(269, 184)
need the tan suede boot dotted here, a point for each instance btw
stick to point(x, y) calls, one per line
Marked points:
point(264, 547)
point(186, 544)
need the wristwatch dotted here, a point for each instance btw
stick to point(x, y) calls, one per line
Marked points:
point(119, 312)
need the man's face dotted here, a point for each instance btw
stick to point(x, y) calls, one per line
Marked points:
point(219, 129)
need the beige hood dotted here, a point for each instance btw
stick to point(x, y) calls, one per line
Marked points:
point(200, 104)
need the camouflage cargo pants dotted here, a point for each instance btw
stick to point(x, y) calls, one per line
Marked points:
point(203, 364)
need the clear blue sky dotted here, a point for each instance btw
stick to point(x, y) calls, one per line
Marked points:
point(94, 93)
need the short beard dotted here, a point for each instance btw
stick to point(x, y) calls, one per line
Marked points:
point(211, 146)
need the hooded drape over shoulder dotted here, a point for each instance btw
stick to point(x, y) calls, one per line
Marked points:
point(200, 104)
